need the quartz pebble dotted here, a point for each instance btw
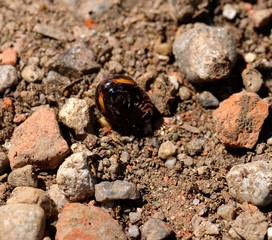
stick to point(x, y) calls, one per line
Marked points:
point(205, 53)
point(252, 80)
point(133, 231)
point(8, 77)
point(155, 229)
point(207, 99)
point(269, 233)
point(74, 178)
point(229, 11)
point(167, 150)
point(117, 190)
point(134, 217)
point(170, 162)
point(4, 163)
point(16, 223)
point(254, 186)
point(32, 73)
point(24, 176)
point(76, 115)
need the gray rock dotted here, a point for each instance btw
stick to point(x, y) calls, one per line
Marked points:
point(252, 80)
point(4, 162)
point(229, 11)
point(155, 229)
point(74, 178)
point(205, 53)
point(58, 198)
point(194, 147)
point(16, 223)
point(55, 79)
point(8, 77)
point(117, 190)
point(134, 217)
point(32, 73)
point(202, 226)
point(133, 231)
point(76, 61)
point(227, 212)
point(207, 99)
point(251, 182)
point(76, 115)
point(31, 195)
point(251, 225)
point(187, 160)
point(167, 150)
point(170, 162)
point(24, 176)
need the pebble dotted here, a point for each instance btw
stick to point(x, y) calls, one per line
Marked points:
point(58, 199)
point(184, 93)
point(269, 233)
point(133, 231)
point(250, 57)
point(74, 62)
point(8, 77)
point(229, 11)
point(196, 201)
point(78, 221)
point(155, 229)
point(167, 150)
point(8, 57)
point(117, 190)
point(170, 162)
point(262, 17)
point(205, 53)
point(75, 114)
point(32, 73)
point(202, 226)
point(22, 221)
point(24, 176)
point(252, 80)
point(194, 146)
point(227, 211)
point(55, 79)
point(74, 178)
point(31, 195)
point(134, 217)
point(239, 119)
point(207, 99)
point(38, 142)
point(250, 225)
point(4, 163)
point(187, 160)
point(251, 182)
point(115, 66)
point(125, 157)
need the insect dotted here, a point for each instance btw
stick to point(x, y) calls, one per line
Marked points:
point(125, 105)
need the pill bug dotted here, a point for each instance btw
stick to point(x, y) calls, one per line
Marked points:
point(125, 105)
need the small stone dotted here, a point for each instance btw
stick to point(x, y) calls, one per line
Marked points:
point(59, 200)
point(115, 66)
point(227, 212)
point(155, 229)
point(117, 190)
point(184, 93)
point(262, 17)
point(251, 182)
point(78, 221)
point(4, 163)
point(134, 217)
point(54, 79)
point(8, 77)
point(76, 115)
point(22, 221)
point(133, 231)
point(252, 80)
point(174, 81)
point(194, 147)
point(38, 142)
point(32, 73)
point(170, 162)
point(31, 195)
point(187, 160)
point(8, 57)
point(196, 201)
point(269, 141)
point(239, 119)
point(250, 57)
point(250, 225)
point(207, 99)
point(202, 226)
point(229, 11)
point(74, 178)
point(24, 176)
point(269, 233)
point(124, 156)
point(167, 150)
point(205, 53)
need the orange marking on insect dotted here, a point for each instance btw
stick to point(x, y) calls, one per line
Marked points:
point(124, 80)
point(101, 102)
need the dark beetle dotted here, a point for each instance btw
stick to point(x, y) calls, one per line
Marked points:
point(125, 105)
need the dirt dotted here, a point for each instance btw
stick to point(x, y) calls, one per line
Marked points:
point(127, 33)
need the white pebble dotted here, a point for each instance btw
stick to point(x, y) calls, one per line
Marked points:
point(170, 163)
point(8, 77)
point(133, 231)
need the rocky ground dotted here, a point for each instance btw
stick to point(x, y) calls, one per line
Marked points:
point(205, 173)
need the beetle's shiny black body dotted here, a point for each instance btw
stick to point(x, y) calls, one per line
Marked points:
point(125, 105)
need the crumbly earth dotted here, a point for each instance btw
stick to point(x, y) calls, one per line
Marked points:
point(128, 39)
